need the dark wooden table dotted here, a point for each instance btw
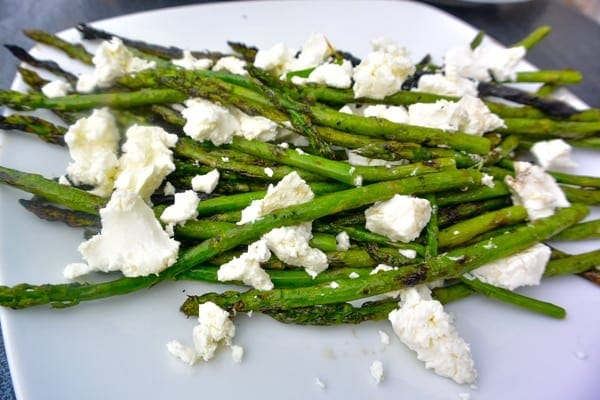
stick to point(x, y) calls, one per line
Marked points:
point(574, 41)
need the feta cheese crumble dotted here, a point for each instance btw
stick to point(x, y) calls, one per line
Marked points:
point(446, 86)
point(342, 240)
point(246, 267)
point(400, 219)
point(237, 353)
point(131, 240)
point(291, 245)
point(205, 120)
point(184, 208)
point(333, 75)
point(206, 183)
point(408, 253)
point(522, 269)
point(422, 324)
point(189, 62)
point(56, 88)
point(384, 338)
point(376, 370)
point(93, 144)
point(268, 172)
point(213, 330)
point(231, 64)
point(111, 61)
point(146, 159)
point(382, 72)
point(553, 155)
point(275, 59)
point(483, 63)
point(536, 190)
point(290, 190)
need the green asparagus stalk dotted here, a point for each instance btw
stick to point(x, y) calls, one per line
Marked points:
point(73, 50)
point(51, 66)
point(77, 102)
point(43, 129)
point(50, 212)
point(449, 265)
point(584, 230)
point(534, 37)
point(452, 214)
point(463, 231)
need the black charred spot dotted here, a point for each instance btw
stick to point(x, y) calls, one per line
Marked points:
point(414, 278)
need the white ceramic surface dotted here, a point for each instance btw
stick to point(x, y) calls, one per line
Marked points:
point(115, 348)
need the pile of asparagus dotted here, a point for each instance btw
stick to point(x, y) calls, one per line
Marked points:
point(445, 168)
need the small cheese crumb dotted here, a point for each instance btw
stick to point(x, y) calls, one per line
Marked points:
point(185, 207)
point(213, 330)
point(553, 155)
point(400, 218)
point(446, 86)
point(487, 180)
point(322, 385)
point(334, 285)
point(231, 64)
point(247, 268)
point(146, 159)
point(408, 253)
point(353, 275)
point(422, 324)
point(522, 269)
point(206, 183)
point(225, 159)
point(189, 62)
point(237, 353)
point(536, 190)
point(384, 338)
point(483, 63)
point(376, 370)
point(342, 240)
point(382, 268)
point(56, 88)
point(209, 121)
point(169, 189)
point(268, 172)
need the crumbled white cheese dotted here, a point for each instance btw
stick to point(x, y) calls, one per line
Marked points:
point(206, 183)
point(184, 208)
point(382, 72)
point(146, 159)
point(291, 245)
point(111, 61)
point(322, 385)
point(522, 269)
point(189, 62)
point(469, 115)
point(376, 370)
point(487, 180)
point(56, 88)
point(93, 144)
point(246, 267)
point(483, 63)
point(237, 353)
point(334, 285)
point(256, 127)
point(290, 190)
point(408, 253)
point(333, 75)
point(342, 241)
point(205, 120)
point(86, 83)
point(268, 171)
point(63, 180)
point(382, 268)
point(214, 329)
point(231, 64)
point(353, 275)
point(225, 159)
point(422, 324)
point(553, 155)
point(536, 190)
point(131, 240)
point(399, 218)
point(397, 114)
point(384, 338)
point(314, 51)
point(275, 59)
point(446, 86)
point(169, 189)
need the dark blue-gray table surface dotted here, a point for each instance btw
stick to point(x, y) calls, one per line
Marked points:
point(574, 41)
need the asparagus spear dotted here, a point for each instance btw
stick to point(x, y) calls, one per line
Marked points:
point(448, 265)
point(73, 50)
point(45, 130)
point(51, 66)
